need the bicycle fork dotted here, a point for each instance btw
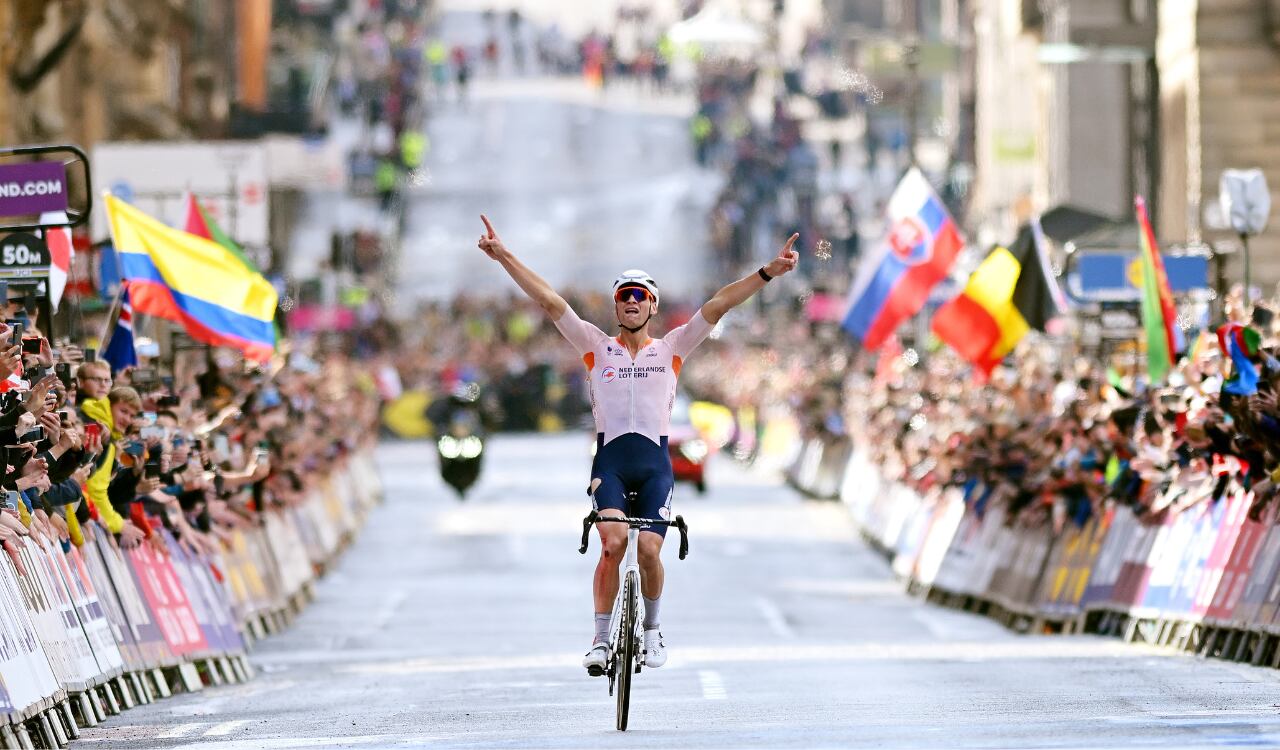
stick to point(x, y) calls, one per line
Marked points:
point(628, 585)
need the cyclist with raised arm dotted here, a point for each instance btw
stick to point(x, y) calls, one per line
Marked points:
point(633, 386)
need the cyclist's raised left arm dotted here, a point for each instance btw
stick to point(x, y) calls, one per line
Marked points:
point(741, 290)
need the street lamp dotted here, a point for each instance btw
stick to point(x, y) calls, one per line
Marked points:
point(1246, 203)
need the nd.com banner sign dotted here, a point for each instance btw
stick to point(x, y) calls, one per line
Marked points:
point(32, 188)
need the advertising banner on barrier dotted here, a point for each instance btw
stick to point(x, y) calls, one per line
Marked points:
point(1054, 597)
point(1135, 567)
point(156, 580)
point(941, 534)
point(42, 606)
point(92, 614)
point(248, 588)
point(1239, 564)
point(28, 677)
point(211, 614)
point(147, 637)
point(112, 608)
point(957, 564)
point(914, 530)
point(1171, 555)
point(1106, 571)
point(1204, 520)
point(1233, 508)
point(83, 666)
point(289, 553)
point(1262, 573)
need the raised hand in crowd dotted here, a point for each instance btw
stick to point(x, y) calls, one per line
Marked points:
point(10, 360)
point(38, 398)
point(131, 536)
point(11, 544)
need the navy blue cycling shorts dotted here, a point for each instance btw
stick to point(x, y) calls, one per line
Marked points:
point(632, 463)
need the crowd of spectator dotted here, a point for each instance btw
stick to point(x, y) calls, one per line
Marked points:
point(200, 447)
point(1056, 438)
point(772, 173)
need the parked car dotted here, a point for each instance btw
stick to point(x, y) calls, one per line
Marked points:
point(687, 447)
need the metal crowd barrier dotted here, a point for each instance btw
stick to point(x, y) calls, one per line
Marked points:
point(1206, 579)
point(87, 633)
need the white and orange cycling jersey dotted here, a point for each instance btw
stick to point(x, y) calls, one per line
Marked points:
point(633, 395)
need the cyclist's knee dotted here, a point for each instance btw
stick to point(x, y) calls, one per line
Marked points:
point(613, 546)
point(650, 548)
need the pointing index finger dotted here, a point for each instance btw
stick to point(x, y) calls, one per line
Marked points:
point(790, 242)
point(492, 234)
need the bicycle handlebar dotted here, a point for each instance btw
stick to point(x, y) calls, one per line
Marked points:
point(594, 517)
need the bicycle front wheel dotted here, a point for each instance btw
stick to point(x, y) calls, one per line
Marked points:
point(626, 654)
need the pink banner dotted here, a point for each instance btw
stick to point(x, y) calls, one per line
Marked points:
point(168, 602)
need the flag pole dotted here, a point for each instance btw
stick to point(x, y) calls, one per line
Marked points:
point(113, 316)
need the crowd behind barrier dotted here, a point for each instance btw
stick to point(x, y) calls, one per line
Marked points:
point(159, 519)
point(1062, 496)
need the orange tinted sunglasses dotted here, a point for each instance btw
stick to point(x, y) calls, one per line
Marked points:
point(632, 294)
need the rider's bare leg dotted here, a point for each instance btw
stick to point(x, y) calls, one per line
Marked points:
point(613, 546)
point(651, 572)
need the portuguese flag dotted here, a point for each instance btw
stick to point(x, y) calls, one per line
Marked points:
point(1159, 317)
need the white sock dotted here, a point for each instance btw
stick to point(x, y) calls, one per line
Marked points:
point(602, 627)
point(651, 613)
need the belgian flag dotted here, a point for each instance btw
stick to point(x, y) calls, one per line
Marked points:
point(1011, 292)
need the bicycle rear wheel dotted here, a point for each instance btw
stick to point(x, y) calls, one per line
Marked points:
point(626, 655)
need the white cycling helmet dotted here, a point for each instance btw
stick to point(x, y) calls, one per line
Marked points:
point(636, 277)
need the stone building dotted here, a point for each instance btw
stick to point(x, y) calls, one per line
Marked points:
point(82, 71)
point(1219, 65)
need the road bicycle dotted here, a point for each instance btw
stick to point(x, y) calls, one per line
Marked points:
point(626, 628)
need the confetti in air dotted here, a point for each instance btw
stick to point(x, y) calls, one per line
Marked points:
point(857, 82)
point(823, 250)
point(420, 177)
point(287, 303)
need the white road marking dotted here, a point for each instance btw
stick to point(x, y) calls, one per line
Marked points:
point(1015, 648)
point(225, 728)
point(774, 617)
point(712, 685)
point(181, 730)
point(377, 740)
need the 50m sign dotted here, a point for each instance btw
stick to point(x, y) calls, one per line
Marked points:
point(22, 254)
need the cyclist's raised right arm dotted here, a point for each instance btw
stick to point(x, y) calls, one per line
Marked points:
point(533, 285)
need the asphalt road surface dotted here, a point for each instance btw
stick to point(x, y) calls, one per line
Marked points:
point(463, 624)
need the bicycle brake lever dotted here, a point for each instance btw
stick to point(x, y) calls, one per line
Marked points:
point(586, 531)
point(684, 537)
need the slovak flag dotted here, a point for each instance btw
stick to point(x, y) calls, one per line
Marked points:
point(893, 283)
point(60, 254)
point(120, 352)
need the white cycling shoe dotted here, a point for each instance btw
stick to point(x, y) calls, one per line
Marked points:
point(655, 651)
point(596, 659)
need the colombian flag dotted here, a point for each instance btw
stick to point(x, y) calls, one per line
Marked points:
point(1011, 293)
point(194, 281)
point(894, 283)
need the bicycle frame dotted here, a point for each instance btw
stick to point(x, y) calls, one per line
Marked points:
point(630, 563)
